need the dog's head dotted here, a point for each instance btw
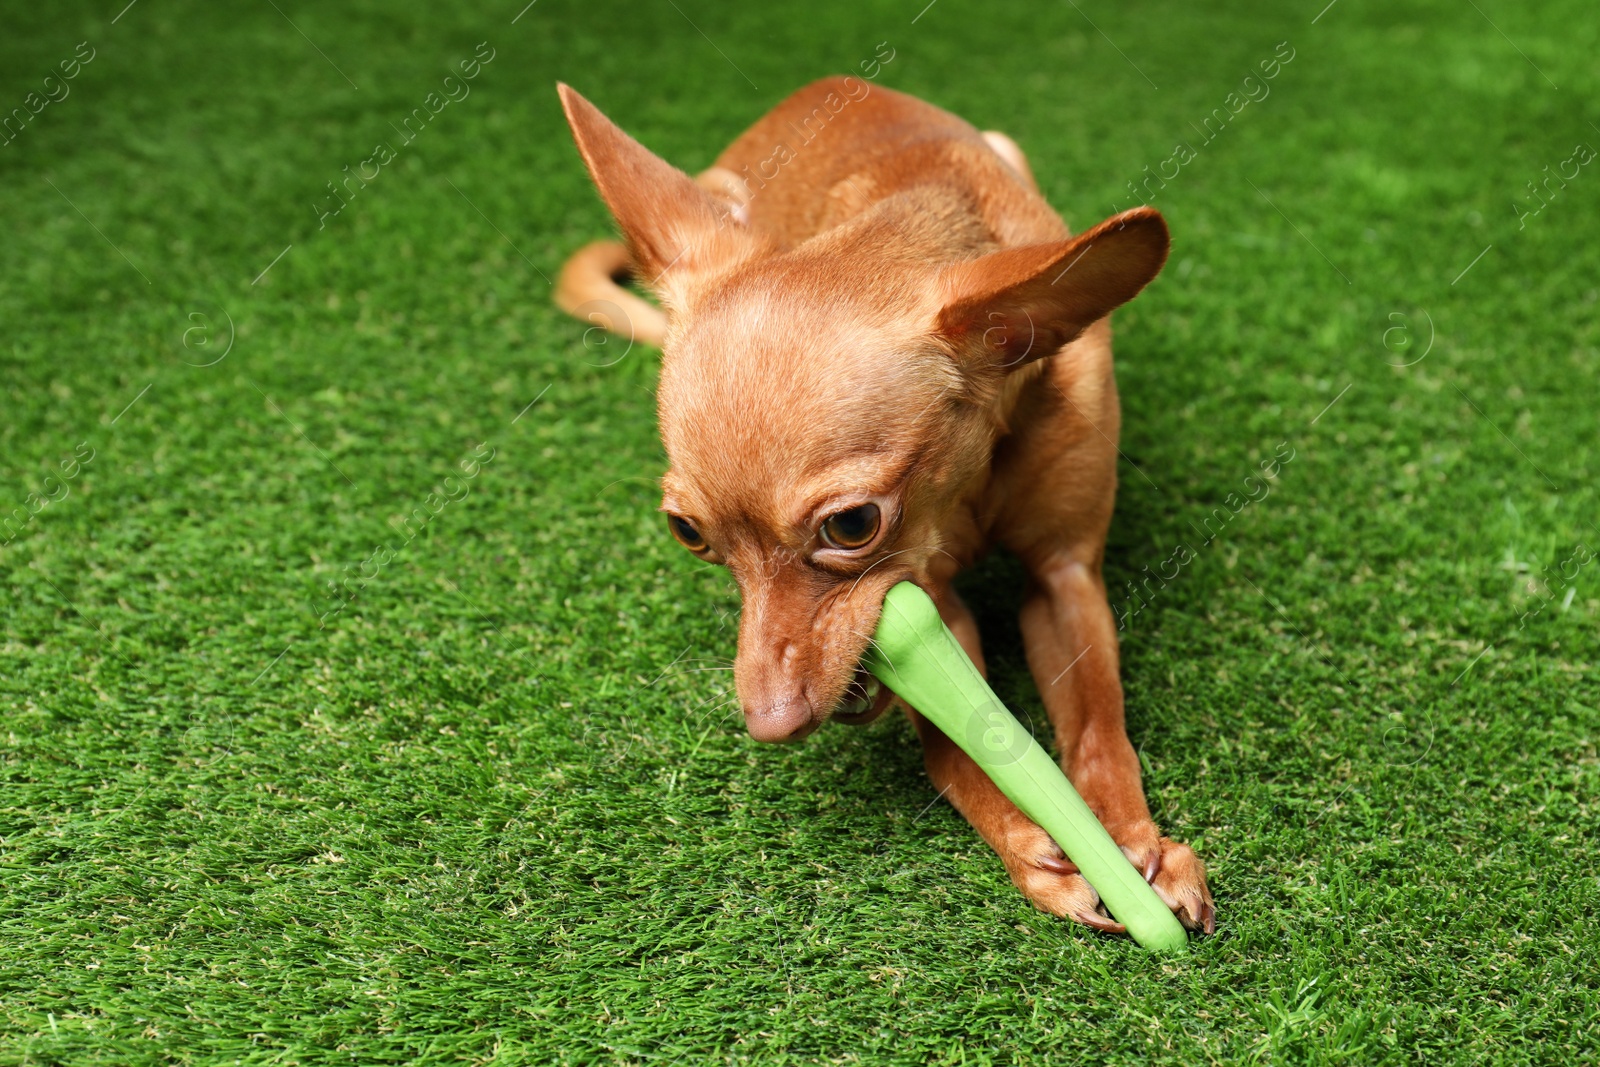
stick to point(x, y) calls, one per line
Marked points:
point(828, 409)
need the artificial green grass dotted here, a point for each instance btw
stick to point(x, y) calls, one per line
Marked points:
point(501, 808)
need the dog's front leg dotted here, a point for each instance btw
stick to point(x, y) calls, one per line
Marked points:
point(1071, 642)
point(1032, 858)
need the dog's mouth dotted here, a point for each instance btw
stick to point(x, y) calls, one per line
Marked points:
point(865, 698)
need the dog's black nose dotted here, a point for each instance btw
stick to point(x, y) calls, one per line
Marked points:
point(784, 719)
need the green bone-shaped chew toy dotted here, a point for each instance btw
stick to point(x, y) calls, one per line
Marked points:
point(916, 655)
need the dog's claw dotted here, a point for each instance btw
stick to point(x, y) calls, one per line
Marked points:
point(1055, 865)
point(1152, 866)
point(1199, 916)
point(1100, 922)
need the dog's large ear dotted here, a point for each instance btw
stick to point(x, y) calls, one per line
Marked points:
point(1024, 303)
point(677, 232)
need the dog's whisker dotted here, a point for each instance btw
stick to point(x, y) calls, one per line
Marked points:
point(872, 642)
point(869, 570)
point(713, 709)
point(713, 696)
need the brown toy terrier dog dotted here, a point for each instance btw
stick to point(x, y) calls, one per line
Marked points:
point(882, 354)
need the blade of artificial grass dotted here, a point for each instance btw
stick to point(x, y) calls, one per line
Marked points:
point(917, 656)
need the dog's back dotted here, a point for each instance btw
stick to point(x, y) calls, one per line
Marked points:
point(836, 146)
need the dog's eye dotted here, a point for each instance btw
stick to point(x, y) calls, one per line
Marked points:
point(853, 528)
point(686, 534)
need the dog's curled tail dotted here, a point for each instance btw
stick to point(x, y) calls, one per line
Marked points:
point(588, 290)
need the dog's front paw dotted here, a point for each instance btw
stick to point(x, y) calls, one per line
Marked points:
point(1180, 881)
point(1172, 869)
point(1052, 882)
